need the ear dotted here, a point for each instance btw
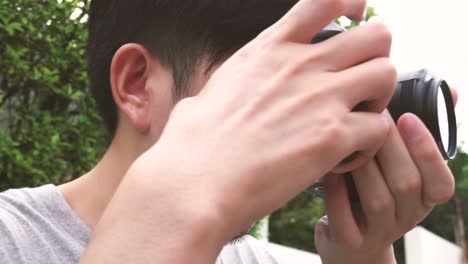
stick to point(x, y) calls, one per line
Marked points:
point(130, 70)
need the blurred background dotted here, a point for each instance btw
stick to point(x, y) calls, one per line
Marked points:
point(50, 132)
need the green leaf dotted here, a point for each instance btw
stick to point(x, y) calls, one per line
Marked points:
point(11, 28)
point(55, 139)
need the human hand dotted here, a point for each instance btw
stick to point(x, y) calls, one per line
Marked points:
point(257, 142)
point(267, 125)
point(397, 190)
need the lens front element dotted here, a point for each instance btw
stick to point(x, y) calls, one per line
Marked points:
point(443, 119)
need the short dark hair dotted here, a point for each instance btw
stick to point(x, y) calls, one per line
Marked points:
point(178, 32)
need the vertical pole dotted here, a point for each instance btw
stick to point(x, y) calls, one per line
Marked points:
point(460, 228)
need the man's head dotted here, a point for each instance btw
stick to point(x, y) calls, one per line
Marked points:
point(144, 55)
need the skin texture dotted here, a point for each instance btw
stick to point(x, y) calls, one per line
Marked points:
point(263, 126)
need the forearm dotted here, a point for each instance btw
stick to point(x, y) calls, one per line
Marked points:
point(144, 224)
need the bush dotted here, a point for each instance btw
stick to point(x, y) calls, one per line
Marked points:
point(49, 130)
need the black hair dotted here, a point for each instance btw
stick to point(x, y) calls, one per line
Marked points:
point(178, 32)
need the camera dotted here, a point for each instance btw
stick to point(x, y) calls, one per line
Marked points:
point(419, 92)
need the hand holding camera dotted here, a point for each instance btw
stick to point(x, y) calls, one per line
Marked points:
point(381, 201)
point(274, 118)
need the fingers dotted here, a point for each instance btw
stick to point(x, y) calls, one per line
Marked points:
point(438, 183)
point(308, 17)
point(344, 228)
point(402, 176)
point(365, 134)
point(375, 87)
point(356, 46)
point(377, 202)
point(454, 95)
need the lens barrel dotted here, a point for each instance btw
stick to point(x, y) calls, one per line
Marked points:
point(420, 93)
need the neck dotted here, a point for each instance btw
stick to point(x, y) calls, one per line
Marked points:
point(90, 194)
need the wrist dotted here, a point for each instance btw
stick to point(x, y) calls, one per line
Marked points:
point(150, 220)
point(382, 256)
point(387, 256)
point(191, 223)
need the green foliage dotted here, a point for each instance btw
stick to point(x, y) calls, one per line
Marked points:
point(49, 131)
point(259, 229)
point(294, 224)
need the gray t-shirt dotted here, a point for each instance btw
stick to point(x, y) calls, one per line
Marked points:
point(37, 226)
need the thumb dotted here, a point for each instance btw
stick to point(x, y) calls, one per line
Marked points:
point(322, 234)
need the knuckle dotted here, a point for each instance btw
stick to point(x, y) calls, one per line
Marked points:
point(350, 243)
point(303, 62)
point(381, 33)
point(411, 184)
point(427, 152)
point(338, 5)
point(317, 54)
point(333, 129)
point(293, 69)
point(390, 75)
point(389, 69)
point(267, 38)
point(378, 206)
point(385, 128)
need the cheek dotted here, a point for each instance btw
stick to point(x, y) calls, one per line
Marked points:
point(160, 108)
point(163, 102)
point(201, 79)
point(197, 86)
point(160, 115)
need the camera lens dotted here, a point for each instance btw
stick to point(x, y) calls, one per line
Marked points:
point(429, 98)
point(420, 93)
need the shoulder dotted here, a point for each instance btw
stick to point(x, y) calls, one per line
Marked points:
point(19, 206)
point(24, 211)
point(38, 226)
point(24, 203)
point(248, 251)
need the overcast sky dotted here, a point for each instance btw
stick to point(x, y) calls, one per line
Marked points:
point(432, 34)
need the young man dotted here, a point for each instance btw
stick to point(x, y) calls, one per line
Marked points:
point(221, 111)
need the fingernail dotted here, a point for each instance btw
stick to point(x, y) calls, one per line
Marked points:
point(411, 127)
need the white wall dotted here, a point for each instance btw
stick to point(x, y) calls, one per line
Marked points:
point(421, 247)
point(424, 247)
point(433, 34)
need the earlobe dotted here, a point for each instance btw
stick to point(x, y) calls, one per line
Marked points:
point(129, 75)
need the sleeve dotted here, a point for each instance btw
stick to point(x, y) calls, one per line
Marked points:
point(10, 249)
point(248, 251)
